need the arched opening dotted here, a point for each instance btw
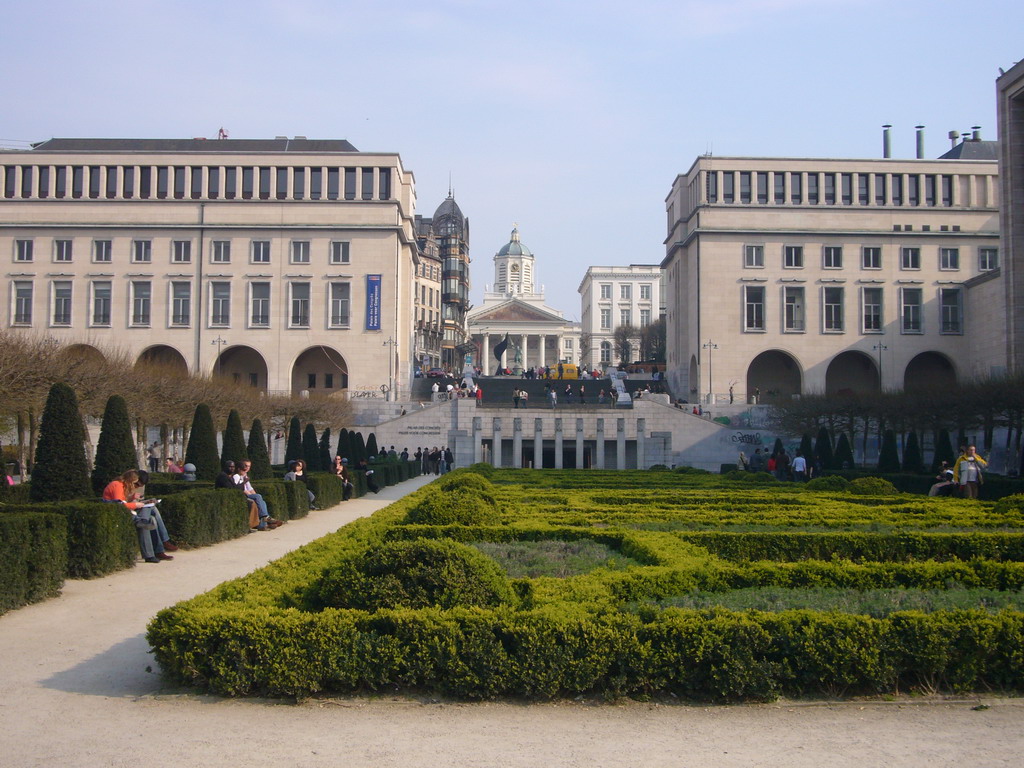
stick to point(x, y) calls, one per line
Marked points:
point(320, 371)
point(84, 352)
point(774, 375)
point(163, 356)
point(852, 373)
point(242, 365)
point(606, 353)
point(929, 370)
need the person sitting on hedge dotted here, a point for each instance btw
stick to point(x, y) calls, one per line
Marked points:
point(122, 490)
point(241, 478)
point(171, 467)
point(297, 471)
point(341, 470)
point(371, 483)
point(161, 529)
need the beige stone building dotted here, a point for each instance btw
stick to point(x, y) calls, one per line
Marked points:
point(615, 296)
point(1010, 107)
point(286, 263)
point(787, 276)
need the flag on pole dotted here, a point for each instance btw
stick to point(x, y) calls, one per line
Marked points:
point(499, 350)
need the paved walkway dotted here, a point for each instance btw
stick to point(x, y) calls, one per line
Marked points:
point(78, 687)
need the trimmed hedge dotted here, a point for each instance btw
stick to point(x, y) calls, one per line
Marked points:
point(33, 558)
point(201, 517)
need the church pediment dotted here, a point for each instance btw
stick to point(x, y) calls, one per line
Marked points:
point(516, 312)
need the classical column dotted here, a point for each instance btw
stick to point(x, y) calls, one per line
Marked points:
point(579, 443)
point(620, 443)
point(522, 346)
point(641, 444)
point(478, 445)
point(558, 349)
point(955, 190)
point(558, 443)
point(517, 443)
point(543, 350)
point(538, 443)
point(485, 364)
point(787, 187)
point(599, 458)
point(496, 442)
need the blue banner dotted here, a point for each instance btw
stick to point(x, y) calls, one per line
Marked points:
point(373, 302)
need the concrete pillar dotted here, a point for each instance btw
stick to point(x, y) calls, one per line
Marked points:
point(538, 443)
point(599, 458)
point(543, 350)
point(921, 189)
point(855, 188)
point(641, 444)
point(523, 339)
point(579, 443)
point(803, 188)
point(620, 443)
point(485, 364)
point(308, 183)
point(558, 443)
point(955, 190)
point(478, 444)
point(517, 443)
point(496, 443)
point(787, 187)
point(888, 188)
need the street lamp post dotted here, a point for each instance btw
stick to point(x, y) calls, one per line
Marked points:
point(391, 361)
point(709, 347)
point(220, 343)
point(880, 347)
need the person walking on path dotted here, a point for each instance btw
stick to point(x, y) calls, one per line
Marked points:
point(967, 472)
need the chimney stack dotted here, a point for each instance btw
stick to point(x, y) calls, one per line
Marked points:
point(920, 141)
point(887, 141)
point(975, 133)
point(953, 136)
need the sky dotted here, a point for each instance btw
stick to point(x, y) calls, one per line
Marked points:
point(568, 119)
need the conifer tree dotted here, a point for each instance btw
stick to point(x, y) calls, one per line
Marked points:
point(888, 456)
point(912, 455)
point(61, 470)
point(326, 461)
point(360, 445)
point(233, 448)
point(844, 453)
point(202, 445)
point(257, 450)
point(115, 450)
point(823, 450)
point(943, 450)
point(371, 447)
point(294, 448)
point(806, 447)
point(343, 445)
point(778, 447)
point(311, 449)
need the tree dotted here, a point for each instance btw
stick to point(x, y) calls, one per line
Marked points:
point(360, 448)
point(912, 455)
point(943, 450)
point(294, 448)
point(823, 450)
point(60, 470)
point(325, 450)
point(622, 339)
point(778, 447)
point(586, 339)
point(371, 446)
point(202, 445)
point(888, 456)
point(806, 446)
point(233, 448)
point(652, 342)
point(844, 453)
point(115, 450)
point(344, 446)
point(257, 451)
point(311, 449)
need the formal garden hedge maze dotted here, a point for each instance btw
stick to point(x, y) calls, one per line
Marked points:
point(541, 584)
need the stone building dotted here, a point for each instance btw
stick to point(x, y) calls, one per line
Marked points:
point(1010, 107)
point(617, 296)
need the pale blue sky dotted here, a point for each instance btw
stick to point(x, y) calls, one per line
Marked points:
point(571, 119)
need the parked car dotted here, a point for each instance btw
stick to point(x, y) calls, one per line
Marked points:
point(436, 373)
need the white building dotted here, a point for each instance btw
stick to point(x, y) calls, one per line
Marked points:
point(285, 263)
point(617, 296)
point(539, 336)
point(789, 276)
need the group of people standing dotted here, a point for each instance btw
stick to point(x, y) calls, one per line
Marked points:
point(781, 465)
point(435, 461)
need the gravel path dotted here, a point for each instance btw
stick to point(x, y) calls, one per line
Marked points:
point(78, 687)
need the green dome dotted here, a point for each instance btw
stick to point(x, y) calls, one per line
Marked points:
point(513, 247)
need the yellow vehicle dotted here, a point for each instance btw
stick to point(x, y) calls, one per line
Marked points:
point(563, 371)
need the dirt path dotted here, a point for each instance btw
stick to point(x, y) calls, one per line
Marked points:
point(79, 688)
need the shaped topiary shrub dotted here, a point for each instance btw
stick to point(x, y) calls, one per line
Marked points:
point(462, 479)
point(844, 453)
point(294, 448)
point(871, 486)
point(742, 476)
point(257, 450)
point(60, 471)
point(1010, 505)
point(115, 450)
point(233, 448)
point(482, 469)
point(459, 506)
point(311, 449)
point(828, 483)
point(412, 574)
point(202, 445)
point(888, 456)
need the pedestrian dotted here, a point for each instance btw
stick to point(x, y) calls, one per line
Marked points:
point(515, 397)
point(799, 468)
point(967, 472)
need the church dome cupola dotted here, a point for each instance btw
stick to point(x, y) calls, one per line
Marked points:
point(513, 267)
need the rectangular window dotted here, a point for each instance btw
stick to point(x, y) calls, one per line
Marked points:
point(316, 183)
point(300, 305)
point(102, 251)
point(340, 304)
point(384, 178)
point(910, 258)
point(910, 310)
point(626, 291)
point(949, 258)
point(645, 318)
point(264, 188)
point(142, 251)
point(181, 303)
point(744, 186)
point(624, 317)
point(812, 188)
point(606, 319)
point(260, 251)
point(300, 252)
point(101, 299)
point(793, 257)
point(22, 302)
point(142, 300)
point(350, 183)
point(367, 184)
point(310, 381)
point(606, 290)
point(213, 183)
point(220, 252)
point(282, 184)
point(606, 352)
point(832, 309)
point(61, 302)
point(795, 188)
point(951, 303)
point(794, 301)
point(645, 292)
point(988, 259)
point(779, 197)
point(340, 252)
point(181, 252)
point(62, 250)
point(220, 303)
point(753, 307)
point(832, 257)
point(871, 257)
point(328, 381)
point(259, 304)
point(753, 256)
point(871, 310)
point(23, 250)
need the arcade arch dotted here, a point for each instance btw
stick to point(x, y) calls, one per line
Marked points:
point(166, 357)
point(929, 370)
point(774, 374)
point(243, 365)
point(320, 370)
point(852, 373)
